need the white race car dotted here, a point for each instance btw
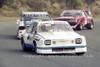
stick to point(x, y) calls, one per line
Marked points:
point(53, 37)
point(28, 18)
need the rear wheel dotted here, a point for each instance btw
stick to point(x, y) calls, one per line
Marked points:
point(79, 27)
point(90, 25)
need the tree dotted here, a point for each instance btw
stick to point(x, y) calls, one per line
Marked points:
point(89, 1)
point(1, 2)
point(74, 4)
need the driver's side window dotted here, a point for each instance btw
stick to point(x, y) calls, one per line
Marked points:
point(29, 30)
point(33, 29)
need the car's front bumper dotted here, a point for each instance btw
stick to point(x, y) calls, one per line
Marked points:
point(50, 50)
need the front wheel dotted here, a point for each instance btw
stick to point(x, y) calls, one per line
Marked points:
point(79, 26)
point(18, 36)
point(35, 47)
point(23, 45)
point(81, 53)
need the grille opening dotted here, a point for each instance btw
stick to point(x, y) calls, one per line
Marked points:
point(62, 49)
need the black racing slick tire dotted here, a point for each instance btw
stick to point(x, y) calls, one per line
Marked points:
point(23, 45)
point(81, 53)
point(35, 47)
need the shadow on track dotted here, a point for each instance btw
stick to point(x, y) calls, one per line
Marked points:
point(16, 51)
point(12, 37)
point(19, 51)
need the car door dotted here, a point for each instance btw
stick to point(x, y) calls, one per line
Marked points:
point(29, 35)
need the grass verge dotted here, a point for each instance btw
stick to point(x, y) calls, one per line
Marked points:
point(5, 19)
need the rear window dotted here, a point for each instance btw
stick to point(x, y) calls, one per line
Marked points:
point(72, 13)
point(21, 28)
point(42, 17)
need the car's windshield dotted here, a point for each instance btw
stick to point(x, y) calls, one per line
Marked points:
point(72, 13)
point(88, 13)
point(55, 27)
point(36, 17)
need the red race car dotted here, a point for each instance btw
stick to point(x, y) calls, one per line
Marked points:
point(77, 18)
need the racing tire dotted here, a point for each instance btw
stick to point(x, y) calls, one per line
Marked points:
point(81, 53)
point(35, 47)
point(17, 35)
point(23, 45)
point(79, 26)
point(90, 25)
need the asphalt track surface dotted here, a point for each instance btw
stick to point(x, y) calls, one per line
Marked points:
point(11, 54)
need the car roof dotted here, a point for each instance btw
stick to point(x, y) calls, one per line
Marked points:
point(78, 10)
point(52, 22)
point(34, 12)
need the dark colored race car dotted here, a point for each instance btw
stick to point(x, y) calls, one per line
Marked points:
point(78, 19)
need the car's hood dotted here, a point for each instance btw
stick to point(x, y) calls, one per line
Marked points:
point(59, 35)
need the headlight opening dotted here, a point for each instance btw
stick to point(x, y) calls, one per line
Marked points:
point(47, 42)
point(78, 41)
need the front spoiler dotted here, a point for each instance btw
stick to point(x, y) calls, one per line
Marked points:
point(49, 50)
